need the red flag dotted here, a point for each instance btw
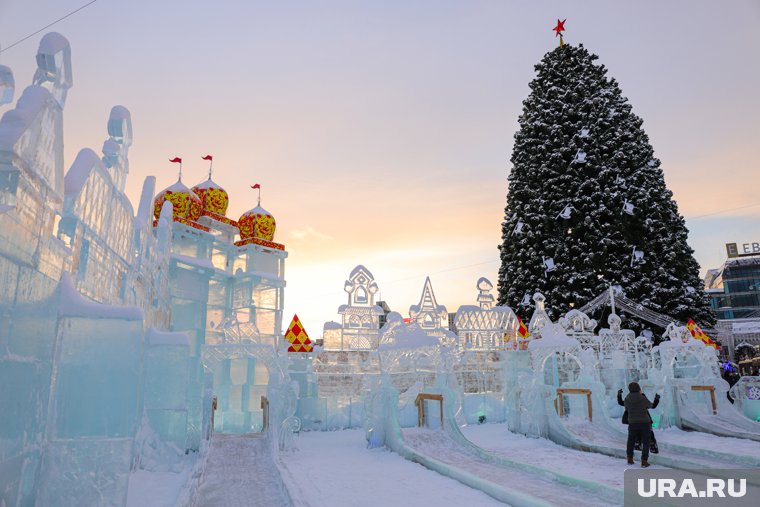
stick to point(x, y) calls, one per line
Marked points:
point(256, 186)
point(208, 157)
point(522, 329)
point(175, 160)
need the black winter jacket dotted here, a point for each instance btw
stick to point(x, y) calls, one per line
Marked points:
point(638, 405)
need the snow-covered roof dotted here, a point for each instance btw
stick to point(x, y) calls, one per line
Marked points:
point(52, 42)
point(410, 337)
point(359, 269)
point(16, 121)
point(73, 304)
point(552, 336)
point(80, 170)
point(193, 261)
point(156, 337)
point(745, 327)
point(332, 325)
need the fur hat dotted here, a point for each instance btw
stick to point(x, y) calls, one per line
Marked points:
point(634, 387)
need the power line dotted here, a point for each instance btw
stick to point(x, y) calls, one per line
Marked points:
point(724, 211)
point(47, 26)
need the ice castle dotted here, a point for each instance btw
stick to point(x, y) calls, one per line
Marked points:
point(117, 326)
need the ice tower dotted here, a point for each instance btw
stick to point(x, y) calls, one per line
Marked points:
point(360, 317)
point(428, 314)
point(227, 288)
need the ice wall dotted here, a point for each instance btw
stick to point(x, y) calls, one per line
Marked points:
point(78, 379)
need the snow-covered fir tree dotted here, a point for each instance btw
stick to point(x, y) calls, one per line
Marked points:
point(587, 196)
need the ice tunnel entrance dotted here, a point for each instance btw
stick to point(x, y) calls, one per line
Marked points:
point(560, 368)
point(242, 374)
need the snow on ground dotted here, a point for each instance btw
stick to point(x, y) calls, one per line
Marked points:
point(156, 489)
point(240, 472)
point(336, 469)
point(699, 440)
point(546, 454)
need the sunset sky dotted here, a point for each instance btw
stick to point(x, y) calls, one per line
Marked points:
point(381, 132)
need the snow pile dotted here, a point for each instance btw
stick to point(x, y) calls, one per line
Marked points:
point(74, 304)
point(409, 338)
point(553, 336)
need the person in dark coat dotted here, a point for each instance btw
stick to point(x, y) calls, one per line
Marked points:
point(652, 440)
point(639, 422)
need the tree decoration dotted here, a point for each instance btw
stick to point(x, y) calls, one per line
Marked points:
point(572, 94)
point(566, 212)
point(559, 29)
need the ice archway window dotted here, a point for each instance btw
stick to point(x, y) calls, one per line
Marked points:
point(360, 296)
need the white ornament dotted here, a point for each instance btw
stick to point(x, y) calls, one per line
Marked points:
point(566, 212)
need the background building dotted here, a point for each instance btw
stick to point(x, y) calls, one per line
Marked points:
point(734, 292)
point(734, 288)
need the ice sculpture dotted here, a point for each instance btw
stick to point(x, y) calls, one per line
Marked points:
point(54, 66)
point(486, 329)
point(163, 437)
point(116, 147)
point(360, 317)
point(81, 279)
point(7, 85)
point(95, 393)
point(428, 313)
point(485, 298)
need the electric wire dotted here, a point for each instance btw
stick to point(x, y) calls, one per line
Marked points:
point(2, 50)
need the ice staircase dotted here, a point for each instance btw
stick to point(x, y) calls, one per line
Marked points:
point(241, 472)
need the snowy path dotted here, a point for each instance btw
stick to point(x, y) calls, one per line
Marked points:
point(497, 438)
point(240, 472)
point(438, 445)
point(335, 468)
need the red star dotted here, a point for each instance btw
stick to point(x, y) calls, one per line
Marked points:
point(560, 27)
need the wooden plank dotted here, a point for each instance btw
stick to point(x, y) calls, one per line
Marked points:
point(559, 402)
point(711, 389)
point(420, 402)
point(573, 390)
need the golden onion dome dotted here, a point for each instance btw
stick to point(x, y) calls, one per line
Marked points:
point(257, 223)
point(186, 204)
point(213, 197)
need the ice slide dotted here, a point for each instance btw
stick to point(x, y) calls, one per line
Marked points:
point(240, 472)
point(605, 435)
point(449, 453)
point(726, 422)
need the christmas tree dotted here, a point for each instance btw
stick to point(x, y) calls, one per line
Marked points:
point(587, 206)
